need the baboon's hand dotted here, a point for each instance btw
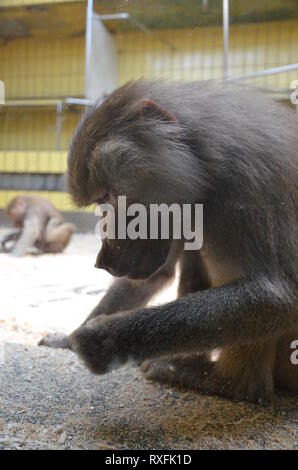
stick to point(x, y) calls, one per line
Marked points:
point(55, 340)
point(97, 345)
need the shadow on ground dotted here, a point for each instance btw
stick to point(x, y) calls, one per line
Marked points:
point(49, 400)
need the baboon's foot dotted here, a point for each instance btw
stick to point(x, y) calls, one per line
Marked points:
point(200, 374)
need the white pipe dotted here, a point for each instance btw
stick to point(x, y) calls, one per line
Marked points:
point(263, 73)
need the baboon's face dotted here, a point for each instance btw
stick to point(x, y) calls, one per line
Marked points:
point(133, 258)
point(136, 259)
point(126, 148)
point(16, 211)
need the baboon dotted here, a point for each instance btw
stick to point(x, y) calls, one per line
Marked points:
point(234, 151)
point(39, 225)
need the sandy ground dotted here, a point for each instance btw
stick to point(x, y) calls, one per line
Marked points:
point(48, 293)
point(49, 400)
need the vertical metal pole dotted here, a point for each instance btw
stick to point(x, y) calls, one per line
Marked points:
point(225, 30)
point(88, 42)
point(59, 125)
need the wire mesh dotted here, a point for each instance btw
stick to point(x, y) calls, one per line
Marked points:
point(43, 57)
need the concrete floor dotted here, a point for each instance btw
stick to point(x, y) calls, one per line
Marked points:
point(49, 400)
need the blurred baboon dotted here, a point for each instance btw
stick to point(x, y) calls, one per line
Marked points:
point(39, 225)
point(235, 151)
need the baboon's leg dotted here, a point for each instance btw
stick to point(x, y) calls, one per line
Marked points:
point(193, 276)
point(57, 236)
point(11, 237)
point(285, 370)
point(237, 372)
point(241, 372)
point(30, 234)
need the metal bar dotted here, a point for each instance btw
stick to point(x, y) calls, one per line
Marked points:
point(263, 73)
point(59, 125)
point(31, 102)
point(78, 102)
point(88, 40)
point(112, 16)
point(48, 103)
point(135, 22)
point(147, 30)
point(225, 31)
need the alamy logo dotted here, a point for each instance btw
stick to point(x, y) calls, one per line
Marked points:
point(294, 355)
point(294, 94)
point(159, 221)
point(2, 93)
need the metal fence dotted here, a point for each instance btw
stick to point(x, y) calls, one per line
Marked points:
point(56, 57)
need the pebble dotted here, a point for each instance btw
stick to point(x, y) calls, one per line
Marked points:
point(62, 438)
point(58, 430)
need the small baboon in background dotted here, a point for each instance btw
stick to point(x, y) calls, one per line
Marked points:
point(39, 225)
point(235, 151)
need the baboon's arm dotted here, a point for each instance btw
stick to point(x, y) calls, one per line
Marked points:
point(231, 314)
point(123, 295)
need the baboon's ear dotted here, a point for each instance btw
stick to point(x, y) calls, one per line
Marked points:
point(148, 107)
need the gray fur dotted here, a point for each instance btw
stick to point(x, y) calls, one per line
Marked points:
point(234, 150)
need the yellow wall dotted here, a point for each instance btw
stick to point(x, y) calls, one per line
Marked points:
point(13, 3)
point(34, 68)
point(51, 67)
point(61, 201)
point(32, 162)
point(35, 129)
point(36, 162)
point(197, 53)
point(38, 68)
